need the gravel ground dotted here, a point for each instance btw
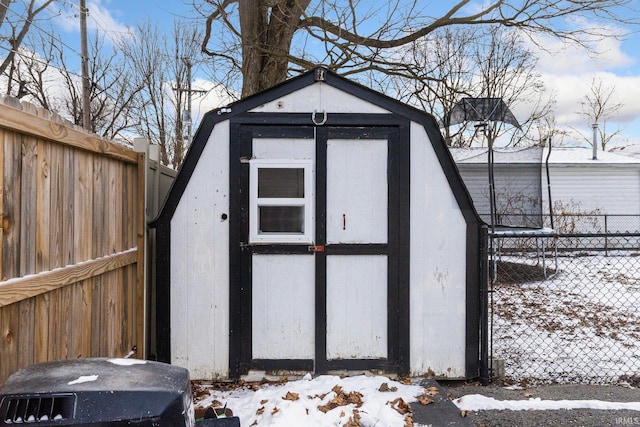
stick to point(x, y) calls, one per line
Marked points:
point(560, 418)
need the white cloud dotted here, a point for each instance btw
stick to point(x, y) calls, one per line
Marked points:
point(216, 96)
point(568, 70)
point(99, 18)
point(570, 92)
point(562, 57)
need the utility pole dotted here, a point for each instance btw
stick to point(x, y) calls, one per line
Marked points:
point(84, 52)
point(189, 122)
point(186, 115)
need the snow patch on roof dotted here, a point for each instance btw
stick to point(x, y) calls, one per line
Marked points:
point(127, 362)
point(472, 155)
point(538, 155)
point(83, 379)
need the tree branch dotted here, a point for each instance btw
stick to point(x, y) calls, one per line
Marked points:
point(533, 16)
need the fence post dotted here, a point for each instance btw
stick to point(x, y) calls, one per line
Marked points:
point(484, 305)
point(141, 272)
point(606, 239)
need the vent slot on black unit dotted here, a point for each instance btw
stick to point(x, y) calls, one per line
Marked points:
point(39, 409)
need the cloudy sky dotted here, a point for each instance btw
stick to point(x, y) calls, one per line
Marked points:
point(567, 70)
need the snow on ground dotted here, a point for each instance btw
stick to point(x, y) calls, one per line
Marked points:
point(580, 325)
point(322, 401)
point(478, 402)
point(358, 401)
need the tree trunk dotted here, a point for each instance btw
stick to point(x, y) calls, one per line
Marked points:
point(266, 40)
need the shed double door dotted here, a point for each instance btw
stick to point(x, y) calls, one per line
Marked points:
point(316, 280)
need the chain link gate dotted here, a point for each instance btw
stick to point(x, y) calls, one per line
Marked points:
point(565, 308)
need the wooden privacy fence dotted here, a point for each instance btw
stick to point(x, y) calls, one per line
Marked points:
point(71, 232)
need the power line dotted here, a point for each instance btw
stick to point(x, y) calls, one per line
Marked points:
point(101, 25)
point(34, 59)
point(62, 70)
point(50, 34)
point(40, 61)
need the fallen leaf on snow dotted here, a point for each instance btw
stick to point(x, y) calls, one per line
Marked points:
point(385, 387)
point(291, 396)
point(355, 420)
point(342, 399)
point(408, 421)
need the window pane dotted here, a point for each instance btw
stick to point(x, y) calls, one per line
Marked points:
point(281, 183)
point(281, 219)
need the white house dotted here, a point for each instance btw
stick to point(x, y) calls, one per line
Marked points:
point(527, 179)
point(517, 183)
point(610, 183)
point(318, 226)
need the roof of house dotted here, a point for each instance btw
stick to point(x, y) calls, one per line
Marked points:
point(536, 155)
point(632, 150)
point(479, 155)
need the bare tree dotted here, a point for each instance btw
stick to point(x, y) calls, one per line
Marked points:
point(162, 66)
point(508, 71)
point(445, 59)
point(354, 40)
point(548, 132)
point(147, 54)
point(31, 75)
point(43, 77)
point(113, 90)
point(598, 108)
point(16, 18)
point(481, 62)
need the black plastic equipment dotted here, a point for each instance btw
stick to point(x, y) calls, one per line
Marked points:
point(98, 392)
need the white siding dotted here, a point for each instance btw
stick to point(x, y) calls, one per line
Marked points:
point(357, 191)
point(200, 265)
point(284, 148)
point(438, 267)
point(321, 98)
point(283, 319)
point(511, 184)
point(609, 188)
point(356, 306)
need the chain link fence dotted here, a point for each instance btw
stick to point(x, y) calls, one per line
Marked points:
point(565, 308)
point(575, 222)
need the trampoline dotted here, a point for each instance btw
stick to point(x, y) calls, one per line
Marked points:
point(512, 192)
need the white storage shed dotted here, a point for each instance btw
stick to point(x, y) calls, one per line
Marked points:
point(319, 226)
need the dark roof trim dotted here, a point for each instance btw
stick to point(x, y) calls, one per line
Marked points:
point(212, 118)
